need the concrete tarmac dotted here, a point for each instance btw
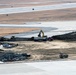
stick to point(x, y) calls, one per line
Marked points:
point(39, 68)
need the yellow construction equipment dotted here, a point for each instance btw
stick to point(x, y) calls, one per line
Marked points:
point(41, 36)
point(41, 33)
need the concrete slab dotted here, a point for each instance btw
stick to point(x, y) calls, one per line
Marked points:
point(40, 68)
point(18, 68)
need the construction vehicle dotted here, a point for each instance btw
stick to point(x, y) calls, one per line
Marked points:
point(41, 36)
point(63, 55)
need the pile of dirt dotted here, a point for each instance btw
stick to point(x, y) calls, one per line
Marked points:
point(67, 37)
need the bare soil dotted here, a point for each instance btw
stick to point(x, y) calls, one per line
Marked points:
point(46, 50)
point(39, 50)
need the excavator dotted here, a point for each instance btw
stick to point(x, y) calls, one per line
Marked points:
point(41, 32)
point(41, 36)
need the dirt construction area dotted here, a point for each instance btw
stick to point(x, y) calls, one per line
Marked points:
point(45, 50)
point(49, 50)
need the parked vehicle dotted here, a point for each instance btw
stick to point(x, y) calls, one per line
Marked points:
point(63, 55)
